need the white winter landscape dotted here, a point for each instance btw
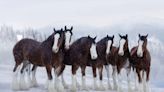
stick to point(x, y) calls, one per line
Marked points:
point(94, 18)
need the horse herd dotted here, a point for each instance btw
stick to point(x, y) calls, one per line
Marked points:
point(58, 50)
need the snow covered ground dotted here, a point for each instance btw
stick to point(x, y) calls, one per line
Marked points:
point(6, 77)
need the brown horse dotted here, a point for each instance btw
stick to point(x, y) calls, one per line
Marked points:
point(37, 53)
point(141, 59)
point(58, 57)
point(103, 47)
point(122, 61)
point(111, 60)
point(81, 51)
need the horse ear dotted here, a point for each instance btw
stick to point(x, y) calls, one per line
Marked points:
point(61, 29)
point(71, 28)
point(107, 36)
point(139, 35)
point(95, 38)
point(113, 37)
point(89, 36)
point(54, 30)
point(120, 35)
point(126, 35)
point(146, 35)
point(65, 28)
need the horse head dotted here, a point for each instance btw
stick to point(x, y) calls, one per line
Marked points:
point(142, 44)
point(58, 40)
point(92, 45)
point(68, 36)
point(109, 43)
point(123, 44)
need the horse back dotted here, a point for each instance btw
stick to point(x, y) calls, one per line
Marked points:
point(24, 47)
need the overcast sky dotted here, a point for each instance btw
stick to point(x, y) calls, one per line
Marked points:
point(40, 13)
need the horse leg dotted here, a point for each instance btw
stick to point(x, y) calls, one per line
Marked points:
point(119, 89)
point(100, 68)
point(28, 75)
point(135, 80)
point(15, 83)
point(108, 75)
point(23, 84)
point(74, 80)
point(83, 77)
point(34, 81)
point(146, 80)
point(140, 88)
point(62, 78)
point(94, 77)
point(58, 84)
point(115, 86)
point(128, 79)
point(50, 79)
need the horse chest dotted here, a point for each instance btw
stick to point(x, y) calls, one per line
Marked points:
point(124, 62)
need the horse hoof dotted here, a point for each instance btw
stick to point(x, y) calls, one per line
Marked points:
point(24, 86)
point(60, 88)
point(15, 85)
point(101, 88)
point(130, 90)
point(96, 87)
point(119, 89)
point(66, 86)
point(115, 88)
point(74, 90)
point(109, 87)
point(84, 88)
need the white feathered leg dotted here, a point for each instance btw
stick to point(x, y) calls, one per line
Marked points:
point(115, 86)
point(136, 81)
point(58, 85)
point(74, 85)
point(101, 87)
point(63, 81)
point(95, 86)
point(29, 81)
point(145, 83)
point(128, 80)
point(34, 81)
point(51, 87)
point(120, 83)
point(23, 84)
point(108, 76)
point(84, 83)
point(141, 84)
point(15, 82)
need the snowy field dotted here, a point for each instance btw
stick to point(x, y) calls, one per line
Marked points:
point(6, 77)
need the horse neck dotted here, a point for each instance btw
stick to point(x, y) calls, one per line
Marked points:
point(102, 44)
point(48, 42)
point(63, 44)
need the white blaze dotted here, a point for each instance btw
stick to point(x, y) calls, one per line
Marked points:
point(121, 49)
point(67, 41)
point(140, 50)
point(108, 47)
point(93, 52)
point(55, 48)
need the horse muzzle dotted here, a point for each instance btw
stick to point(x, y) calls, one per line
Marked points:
point(56, 50)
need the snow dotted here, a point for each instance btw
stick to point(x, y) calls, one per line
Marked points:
point(6, 77)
